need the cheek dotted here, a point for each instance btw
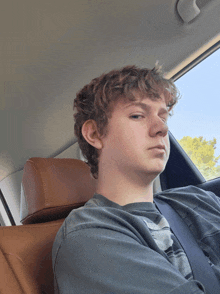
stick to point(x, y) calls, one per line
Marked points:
point(122, 143)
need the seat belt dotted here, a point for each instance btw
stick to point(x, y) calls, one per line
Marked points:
point(201, 269)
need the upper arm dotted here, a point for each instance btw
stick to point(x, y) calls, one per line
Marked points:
point(100, 260)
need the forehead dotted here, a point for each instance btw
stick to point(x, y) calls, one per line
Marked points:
point(142, 100)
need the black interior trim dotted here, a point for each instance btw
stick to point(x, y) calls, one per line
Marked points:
point(212, 185)
point(180, 171)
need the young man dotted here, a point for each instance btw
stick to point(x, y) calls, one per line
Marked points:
point(119, 242)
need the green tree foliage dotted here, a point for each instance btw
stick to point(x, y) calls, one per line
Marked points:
point(202, 153)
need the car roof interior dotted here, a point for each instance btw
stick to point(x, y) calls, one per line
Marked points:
point(49, 51)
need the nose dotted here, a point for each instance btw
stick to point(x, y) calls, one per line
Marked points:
point(158, 128)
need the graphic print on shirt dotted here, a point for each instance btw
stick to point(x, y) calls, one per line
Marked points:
point(167, 242)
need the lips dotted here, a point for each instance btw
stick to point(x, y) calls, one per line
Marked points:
point(162, 147)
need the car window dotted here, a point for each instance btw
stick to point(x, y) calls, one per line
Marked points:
point(196, 121)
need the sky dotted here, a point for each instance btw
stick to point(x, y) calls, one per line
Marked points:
point(197, 113)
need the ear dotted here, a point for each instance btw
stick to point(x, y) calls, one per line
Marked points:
point(91, 135)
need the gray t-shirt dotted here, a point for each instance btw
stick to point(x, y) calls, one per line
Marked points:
point(105, 248)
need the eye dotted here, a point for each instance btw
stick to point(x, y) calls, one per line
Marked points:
point(165, 118)
point(136, 116)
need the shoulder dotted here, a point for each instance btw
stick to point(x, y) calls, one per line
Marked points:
point(193, 201)
point(92, 225)
point(98, 215)
point(189, 195)
point(93, 215)
point(81, 223)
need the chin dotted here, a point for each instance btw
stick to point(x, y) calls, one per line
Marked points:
point(157, 170)
point(151, 173)
point(159, 165)
point(153, 169)
point(156, 173)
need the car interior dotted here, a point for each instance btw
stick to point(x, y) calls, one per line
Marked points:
point(49, 51)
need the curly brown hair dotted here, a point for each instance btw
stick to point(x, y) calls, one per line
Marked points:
point(96, 100)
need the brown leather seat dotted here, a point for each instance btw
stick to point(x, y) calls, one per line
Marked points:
point(51, 188)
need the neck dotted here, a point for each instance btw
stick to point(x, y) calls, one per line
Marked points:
point(123, 189)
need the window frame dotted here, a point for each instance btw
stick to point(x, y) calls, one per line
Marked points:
point(6, 210)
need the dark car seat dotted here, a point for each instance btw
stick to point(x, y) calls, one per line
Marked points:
point(51, 188)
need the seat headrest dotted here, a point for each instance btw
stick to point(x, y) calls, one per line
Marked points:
point(52, 187)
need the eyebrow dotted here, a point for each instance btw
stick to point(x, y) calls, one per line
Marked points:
point(146, 107)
